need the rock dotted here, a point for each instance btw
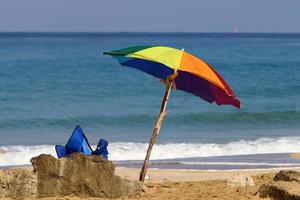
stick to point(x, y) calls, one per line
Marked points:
point(280, 191)
point(287, 175)
point(285, 186)
point(240, 180)
point(80, 175)
point(17, 183)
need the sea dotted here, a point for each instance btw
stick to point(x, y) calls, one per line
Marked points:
point(51, 82)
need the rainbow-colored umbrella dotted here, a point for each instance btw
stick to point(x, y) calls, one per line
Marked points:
point(194, 74)
point(179, 70)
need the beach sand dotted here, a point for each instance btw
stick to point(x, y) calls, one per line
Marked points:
point(175, 175)
point(190, 185)
point(181, 184)
point(295, 156)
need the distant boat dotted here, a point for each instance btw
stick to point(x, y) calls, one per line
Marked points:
point(236, 30)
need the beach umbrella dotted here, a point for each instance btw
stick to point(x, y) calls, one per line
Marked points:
point(179, 70)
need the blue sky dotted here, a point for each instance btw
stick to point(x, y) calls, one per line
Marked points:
point(151, 15)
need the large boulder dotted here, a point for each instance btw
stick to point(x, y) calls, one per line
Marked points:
point(285, 186)
point(80, 175)
point(17, 183)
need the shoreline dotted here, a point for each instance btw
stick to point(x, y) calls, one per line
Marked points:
point(238, 163)
point(225, 163)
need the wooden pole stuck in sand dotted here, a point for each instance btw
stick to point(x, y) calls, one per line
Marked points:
point(160, 119)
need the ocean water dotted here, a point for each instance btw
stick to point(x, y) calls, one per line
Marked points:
point(51, 82)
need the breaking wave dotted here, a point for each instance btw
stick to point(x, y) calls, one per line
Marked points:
point(121, 151)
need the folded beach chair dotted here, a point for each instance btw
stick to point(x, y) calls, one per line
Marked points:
point(101, 149)
point(77, 143)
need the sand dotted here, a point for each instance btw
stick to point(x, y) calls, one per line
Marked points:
point(295, 156)
point(157, 176)
point(191, 185)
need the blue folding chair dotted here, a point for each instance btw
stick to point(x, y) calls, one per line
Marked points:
point(101, 149)
point(77, 143)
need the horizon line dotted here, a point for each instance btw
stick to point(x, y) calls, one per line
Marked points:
point(147, 32)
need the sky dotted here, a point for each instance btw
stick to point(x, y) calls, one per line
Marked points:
point(150, 15)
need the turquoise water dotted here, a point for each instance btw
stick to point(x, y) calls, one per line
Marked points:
point(50, 82)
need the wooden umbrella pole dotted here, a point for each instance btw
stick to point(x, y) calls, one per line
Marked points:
point(157, 126)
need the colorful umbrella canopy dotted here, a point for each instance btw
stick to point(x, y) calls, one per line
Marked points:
point(194, 75)
point(180, 70)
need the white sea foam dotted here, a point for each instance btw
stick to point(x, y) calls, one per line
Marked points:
point(21, 155)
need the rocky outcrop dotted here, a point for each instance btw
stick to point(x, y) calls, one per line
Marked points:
point(287, 175)
point(80, 175)
point(76, 175)
point(285, 186)
point(240, 180)
point(17, 183)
